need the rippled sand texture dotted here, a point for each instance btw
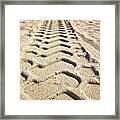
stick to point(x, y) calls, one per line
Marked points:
point(60, 60)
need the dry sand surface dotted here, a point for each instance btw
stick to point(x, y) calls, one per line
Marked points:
point(60, 60)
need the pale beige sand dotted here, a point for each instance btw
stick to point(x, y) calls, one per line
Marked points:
point(60, 60)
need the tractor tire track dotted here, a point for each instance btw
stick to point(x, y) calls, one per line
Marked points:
point(54, 61)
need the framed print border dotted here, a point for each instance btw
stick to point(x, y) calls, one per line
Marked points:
point(65, 2)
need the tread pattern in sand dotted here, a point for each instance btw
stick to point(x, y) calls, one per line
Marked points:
point(55, 65)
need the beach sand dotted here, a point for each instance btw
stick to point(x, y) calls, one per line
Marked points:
point(60, 60)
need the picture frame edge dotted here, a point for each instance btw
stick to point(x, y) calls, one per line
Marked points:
point(2, 67)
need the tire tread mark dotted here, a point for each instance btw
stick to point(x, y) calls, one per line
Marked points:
point(72, 75)
point(72, 95)
point(63, 51)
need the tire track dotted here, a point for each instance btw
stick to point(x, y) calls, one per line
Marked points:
point(56, 52)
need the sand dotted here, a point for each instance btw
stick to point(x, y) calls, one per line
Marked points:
point(60, 60)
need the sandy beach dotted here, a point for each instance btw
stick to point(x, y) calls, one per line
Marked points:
point(59, 60)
